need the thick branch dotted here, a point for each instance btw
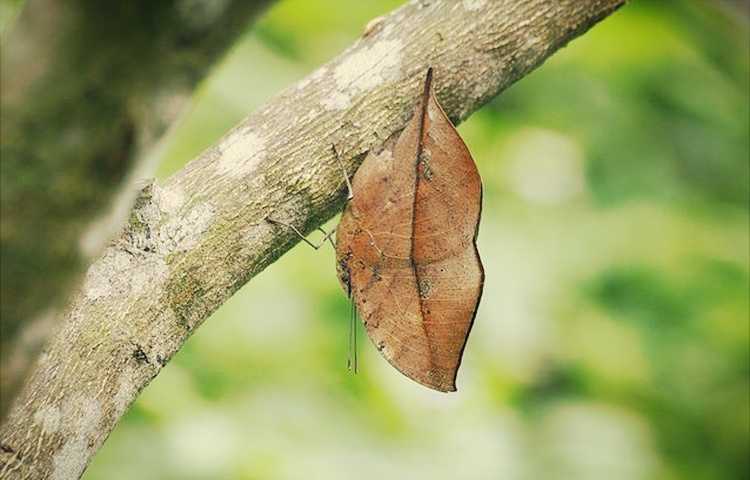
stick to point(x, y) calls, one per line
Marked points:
point(195, 240)
point(87, 88)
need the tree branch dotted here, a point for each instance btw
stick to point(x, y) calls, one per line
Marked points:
point(193, 241)
point(87, 89)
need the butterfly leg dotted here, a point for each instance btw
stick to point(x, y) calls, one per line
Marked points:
point(350, 195)
point(301, 236)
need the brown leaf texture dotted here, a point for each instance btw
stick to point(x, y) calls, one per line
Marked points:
point(406, 246)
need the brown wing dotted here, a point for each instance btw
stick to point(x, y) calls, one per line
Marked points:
point(406, 246)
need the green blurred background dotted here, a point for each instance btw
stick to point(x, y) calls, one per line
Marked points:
point(612, 338)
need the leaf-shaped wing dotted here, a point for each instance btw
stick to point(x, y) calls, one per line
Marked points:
point(406, 246)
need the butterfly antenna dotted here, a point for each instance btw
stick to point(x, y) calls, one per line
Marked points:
point(352, 362)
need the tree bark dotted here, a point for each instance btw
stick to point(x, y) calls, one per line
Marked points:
point(87, 88)
point(192, 242)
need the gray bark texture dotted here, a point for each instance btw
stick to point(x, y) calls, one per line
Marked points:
point(86, 90)
point(194, 240)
